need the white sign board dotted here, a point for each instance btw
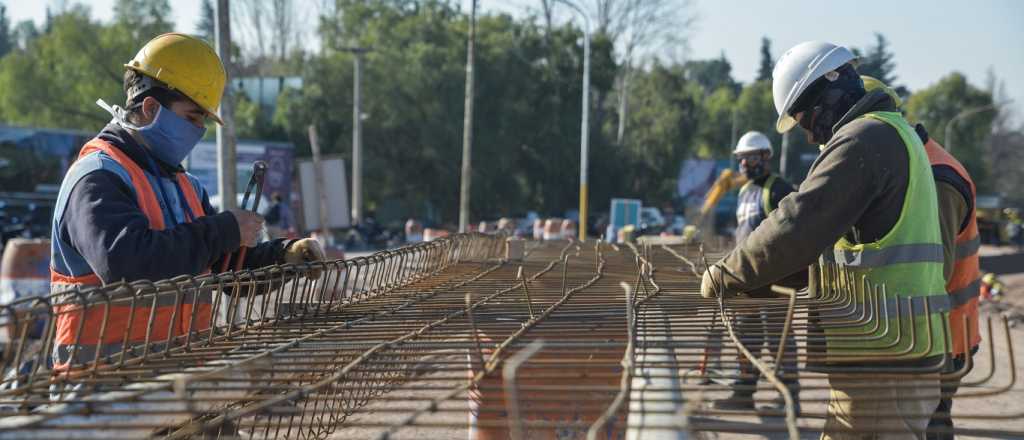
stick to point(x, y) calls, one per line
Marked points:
point(336, 189)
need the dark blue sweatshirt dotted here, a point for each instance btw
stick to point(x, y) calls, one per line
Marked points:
point(105, 224)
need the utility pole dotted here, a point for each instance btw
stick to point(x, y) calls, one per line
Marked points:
point(357, 132)
point(318, 175)
point(227, 174)
point(467, 126)
point(585, 118)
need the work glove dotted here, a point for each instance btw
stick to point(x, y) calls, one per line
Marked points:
point(708, 283)
point(306, 250)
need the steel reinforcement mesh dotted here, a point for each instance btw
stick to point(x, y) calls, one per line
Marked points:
point(454, 339)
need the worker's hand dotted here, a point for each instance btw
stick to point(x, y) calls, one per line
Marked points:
point(306, 250)
point(708, 283)
point(249, 226)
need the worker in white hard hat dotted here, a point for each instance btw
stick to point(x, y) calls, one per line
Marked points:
point(758, 197)
point(868, 211)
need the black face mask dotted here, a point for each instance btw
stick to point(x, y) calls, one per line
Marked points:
point(820, 119)
point(753, 171)
point(833, 101)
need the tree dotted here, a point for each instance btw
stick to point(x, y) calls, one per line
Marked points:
point(711, 74)
point(764, 72)
point(877, 61)
point(68, 73)
point(638, 28)
point(23, 34)
point(143, 19)
point(6, 40)
point(936, 105)
point(206, 26)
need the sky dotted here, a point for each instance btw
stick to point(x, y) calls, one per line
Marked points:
point(930, 38)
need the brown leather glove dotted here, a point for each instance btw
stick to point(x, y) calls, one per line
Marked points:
point(306, 250)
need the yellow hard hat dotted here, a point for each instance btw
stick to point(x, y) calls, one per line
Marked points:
point(871, 84)
point(989, 278)
point(185, 64)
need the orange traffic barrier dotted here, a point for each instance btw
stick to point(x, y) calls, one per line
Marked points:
point(25, 269)
point(24, 273)
point(568, 229)
point(432, 234)
point(552, 229)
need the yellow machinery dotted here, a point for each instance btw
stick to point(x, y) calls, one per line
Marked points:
point(727, 181)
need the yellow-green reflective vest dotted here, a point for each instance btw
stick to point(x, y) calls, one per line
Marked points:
point(907, 261)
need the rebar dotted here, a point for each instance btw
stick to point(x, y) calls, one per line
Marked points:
point(406, 343)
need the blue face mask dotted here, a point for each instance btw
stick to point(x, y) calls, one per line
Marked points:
point(170, 138)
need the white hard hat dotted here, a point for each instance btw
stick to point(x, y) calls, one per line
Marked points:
point(753, 141)
point(800, 66)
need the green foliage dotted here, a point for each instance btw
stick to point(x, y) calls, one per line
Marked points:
point(711, 74)
point(68, 72)
point(764, 71)
point(206, 26)
point(938, 104)
point(23, 34)
point(526, 150)
point(6, 41)
point(143, 19)
point(877, 61)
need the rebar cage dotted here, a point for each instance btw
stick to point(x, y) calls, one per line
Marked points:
point(454, 339)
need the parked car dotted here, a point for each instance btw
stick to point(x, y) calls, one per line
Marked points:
point(651, 220)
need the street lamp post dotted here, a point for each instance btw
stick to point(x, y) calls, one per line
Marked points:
point(467, 126)
point(357, 132)
point(585, 123)
point(971, 111)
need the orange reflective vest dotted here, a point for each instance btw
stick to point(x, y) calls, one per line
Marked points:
point(100, 329)
point(964, 285)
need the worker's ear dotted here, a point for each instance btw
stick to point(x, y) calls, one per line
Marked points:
point(150, 107)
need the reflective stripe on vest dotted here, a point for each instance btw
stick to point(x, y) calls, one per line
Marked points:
point(125, 323)
point(964, 286)
point(895, 254)
point(752, 209)
point(907, 261)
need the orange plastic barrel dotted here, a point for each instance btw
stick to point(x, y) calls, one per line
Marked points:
point(25, 273)
point(24, 269)
point(568, 229)
point(538, 229)
point(552, 229)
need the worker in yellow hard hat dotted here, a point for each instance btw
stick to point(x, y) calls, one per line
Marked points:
point(991, 287)
point(128, 211)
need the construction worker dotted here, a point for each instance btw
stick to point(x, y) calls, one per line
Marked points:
point(961, 270)
point(127, 210)
point(991, 287)
point(868, 206)
point(758, 197)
